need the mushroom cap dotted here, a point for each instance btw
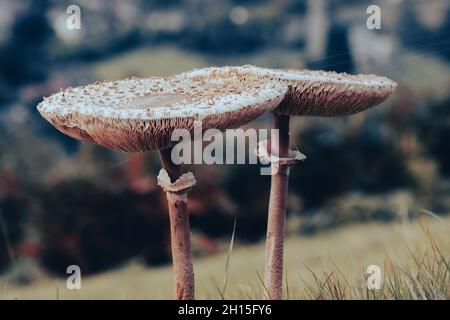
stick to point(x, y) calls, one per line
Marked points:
point(314, 93)
point(137, 114)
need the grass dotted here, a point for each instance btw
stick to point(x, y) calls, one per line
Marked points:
point(414, 258)
point(228, 262)
point(427, 278)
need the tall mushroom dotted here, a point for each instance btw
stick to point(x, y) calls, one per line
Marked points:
point(310, 93)
point(137, 115)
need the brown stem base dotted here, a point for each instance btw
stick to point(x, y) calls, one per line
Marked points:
point(276, 224)
point(273, 276)
point(181, 246)
point(176, 194)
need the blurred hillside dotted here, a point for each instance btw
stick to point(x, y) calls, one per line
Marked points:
point(331, 265)
point(63, 202)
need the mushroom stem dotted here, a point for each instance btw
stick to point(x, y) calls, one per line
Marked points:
point(179, 232)
point(174, 171)
point(273, 277)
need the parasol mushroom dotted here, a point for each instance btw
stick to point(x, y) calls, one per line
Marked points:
point(310, 93)
point(137, 115)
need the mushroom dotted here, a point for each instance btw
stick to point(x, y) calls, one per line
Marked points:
point(137, 115)
point(310, 93)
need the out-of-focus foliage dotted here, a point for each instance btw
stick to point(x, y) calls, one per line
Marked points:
point(80, 203)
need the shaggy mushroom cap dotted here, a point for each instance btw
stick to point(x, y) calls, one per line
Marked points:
point(136, 114)
point(313, 93)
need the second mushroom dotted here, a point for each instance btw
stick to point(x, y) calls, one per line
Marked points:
point(310, 93)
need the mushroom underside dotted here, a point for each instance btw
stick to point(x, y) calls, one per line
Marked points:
point(137, 135)
point(315, 99)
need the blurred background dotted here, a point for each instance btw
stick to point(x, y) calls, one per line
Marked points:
point(63, 202)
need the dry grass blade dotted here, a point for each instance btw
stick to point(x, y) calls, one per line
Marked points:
point(288, 296)
point(431, 214)
point(217, 289)
point(5, 288)
point(228, 261)
point(266, 292)
point(5, 234)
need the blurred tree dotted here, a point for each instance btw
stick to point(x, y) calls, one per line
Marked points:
point(223, 37)
point(14, 207)
point(342, 160)
point(97, 229)
point(22, 59)
point(247, 188)
point(338, 51)
point(433, 125)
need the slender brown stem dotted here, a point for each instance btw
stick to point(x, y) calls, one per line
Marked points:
point(179, 233)
point(174, 171)
point(273, 277)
